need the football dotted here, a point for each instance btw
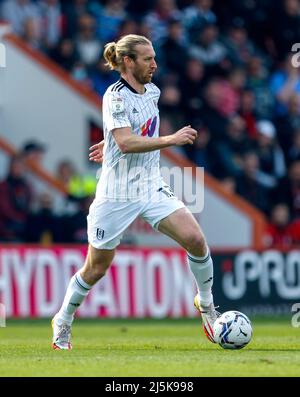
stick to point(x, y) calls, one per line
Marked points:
point(232, 330)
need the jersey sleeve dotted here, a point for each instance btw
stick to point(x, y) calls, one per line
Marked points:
point(115, 115)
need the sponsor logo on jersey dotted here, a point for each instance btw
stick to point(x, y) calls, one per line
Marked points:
point(149, 127)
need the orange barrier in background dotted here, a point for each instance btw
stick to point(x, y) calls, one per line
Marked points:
point(55, 69)
point(34, 168)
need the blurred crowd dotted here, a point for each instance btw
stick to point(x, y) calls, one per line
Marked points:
point(28, 212)
point(225, 67)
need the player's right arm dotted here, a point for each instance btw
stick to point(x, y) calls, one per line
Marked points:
point(131, 143)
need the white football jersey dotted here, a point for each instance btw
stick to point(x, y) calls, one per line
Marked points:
point(129, 176)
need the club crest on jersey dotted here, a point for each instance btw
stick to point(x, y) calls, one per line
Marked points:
point(99, 234)
point(149, 127)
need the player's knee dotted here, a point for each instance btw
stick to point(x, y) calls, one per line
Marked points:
point(196, 244)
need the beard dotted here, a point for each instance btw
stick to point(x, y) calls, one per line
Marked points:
point(142, 77)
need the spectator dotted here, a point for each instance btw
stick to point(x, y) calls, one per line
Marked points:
point(75, 230)
point(16, 12)
point(281, 232)
point(127, 26)
point(64, 172)
point(32, 34)
point(145, 30)
point(170, 101)
point(33, 153)
point(288, 123)
point(88, 46)
point(197, 15)
point(139, 8)
point(232, 147)
point(110, 19)
point(166, 126)
point(230, 92)
point(288, 190)
point(15, 200)
point(207, 48)
point(294, 111)
point(239, 48)
point(157, 20)
point(271, 157)
point(101, 77)
point(81, 75)
point(285, 84)
point(258, 83)
point(229, 184)
point(65, 54)
point(210, 112)
point(202, 153)
point(247, 112)
point(285, 27)
point(248, 183)
point(294, 150)
point(72, 12)
point(191, 87)
point(252, 14)
point(52, 22)
point(173, 45)
point(77, 185)
point(42, 225)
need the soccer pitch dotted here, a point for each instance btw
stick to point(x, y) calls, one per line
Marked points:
point(147, 348)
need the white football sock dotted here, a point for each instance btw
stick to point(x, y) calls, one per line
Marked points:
point(202, 269)
point(76, 292)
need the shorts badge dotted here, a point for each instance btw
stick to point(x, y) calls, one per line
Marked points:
point(100, 234)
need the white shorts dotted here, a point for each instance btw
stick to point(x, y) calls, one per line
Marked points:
point(107, 220)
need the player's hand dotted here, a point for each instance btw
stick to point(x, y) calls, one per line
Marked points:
point(184, 136)
point(96, 152)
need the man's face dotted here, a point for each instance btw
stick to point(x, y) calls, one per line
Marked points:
point(17, 168)
point(144, 65)
point(294, 172)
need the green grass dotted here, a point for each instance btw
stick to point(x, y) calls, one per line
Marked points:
point(147, 348)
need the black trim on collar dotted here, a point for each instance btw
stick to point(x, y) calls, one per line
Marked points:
point(117, 86)
point(129, 86)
